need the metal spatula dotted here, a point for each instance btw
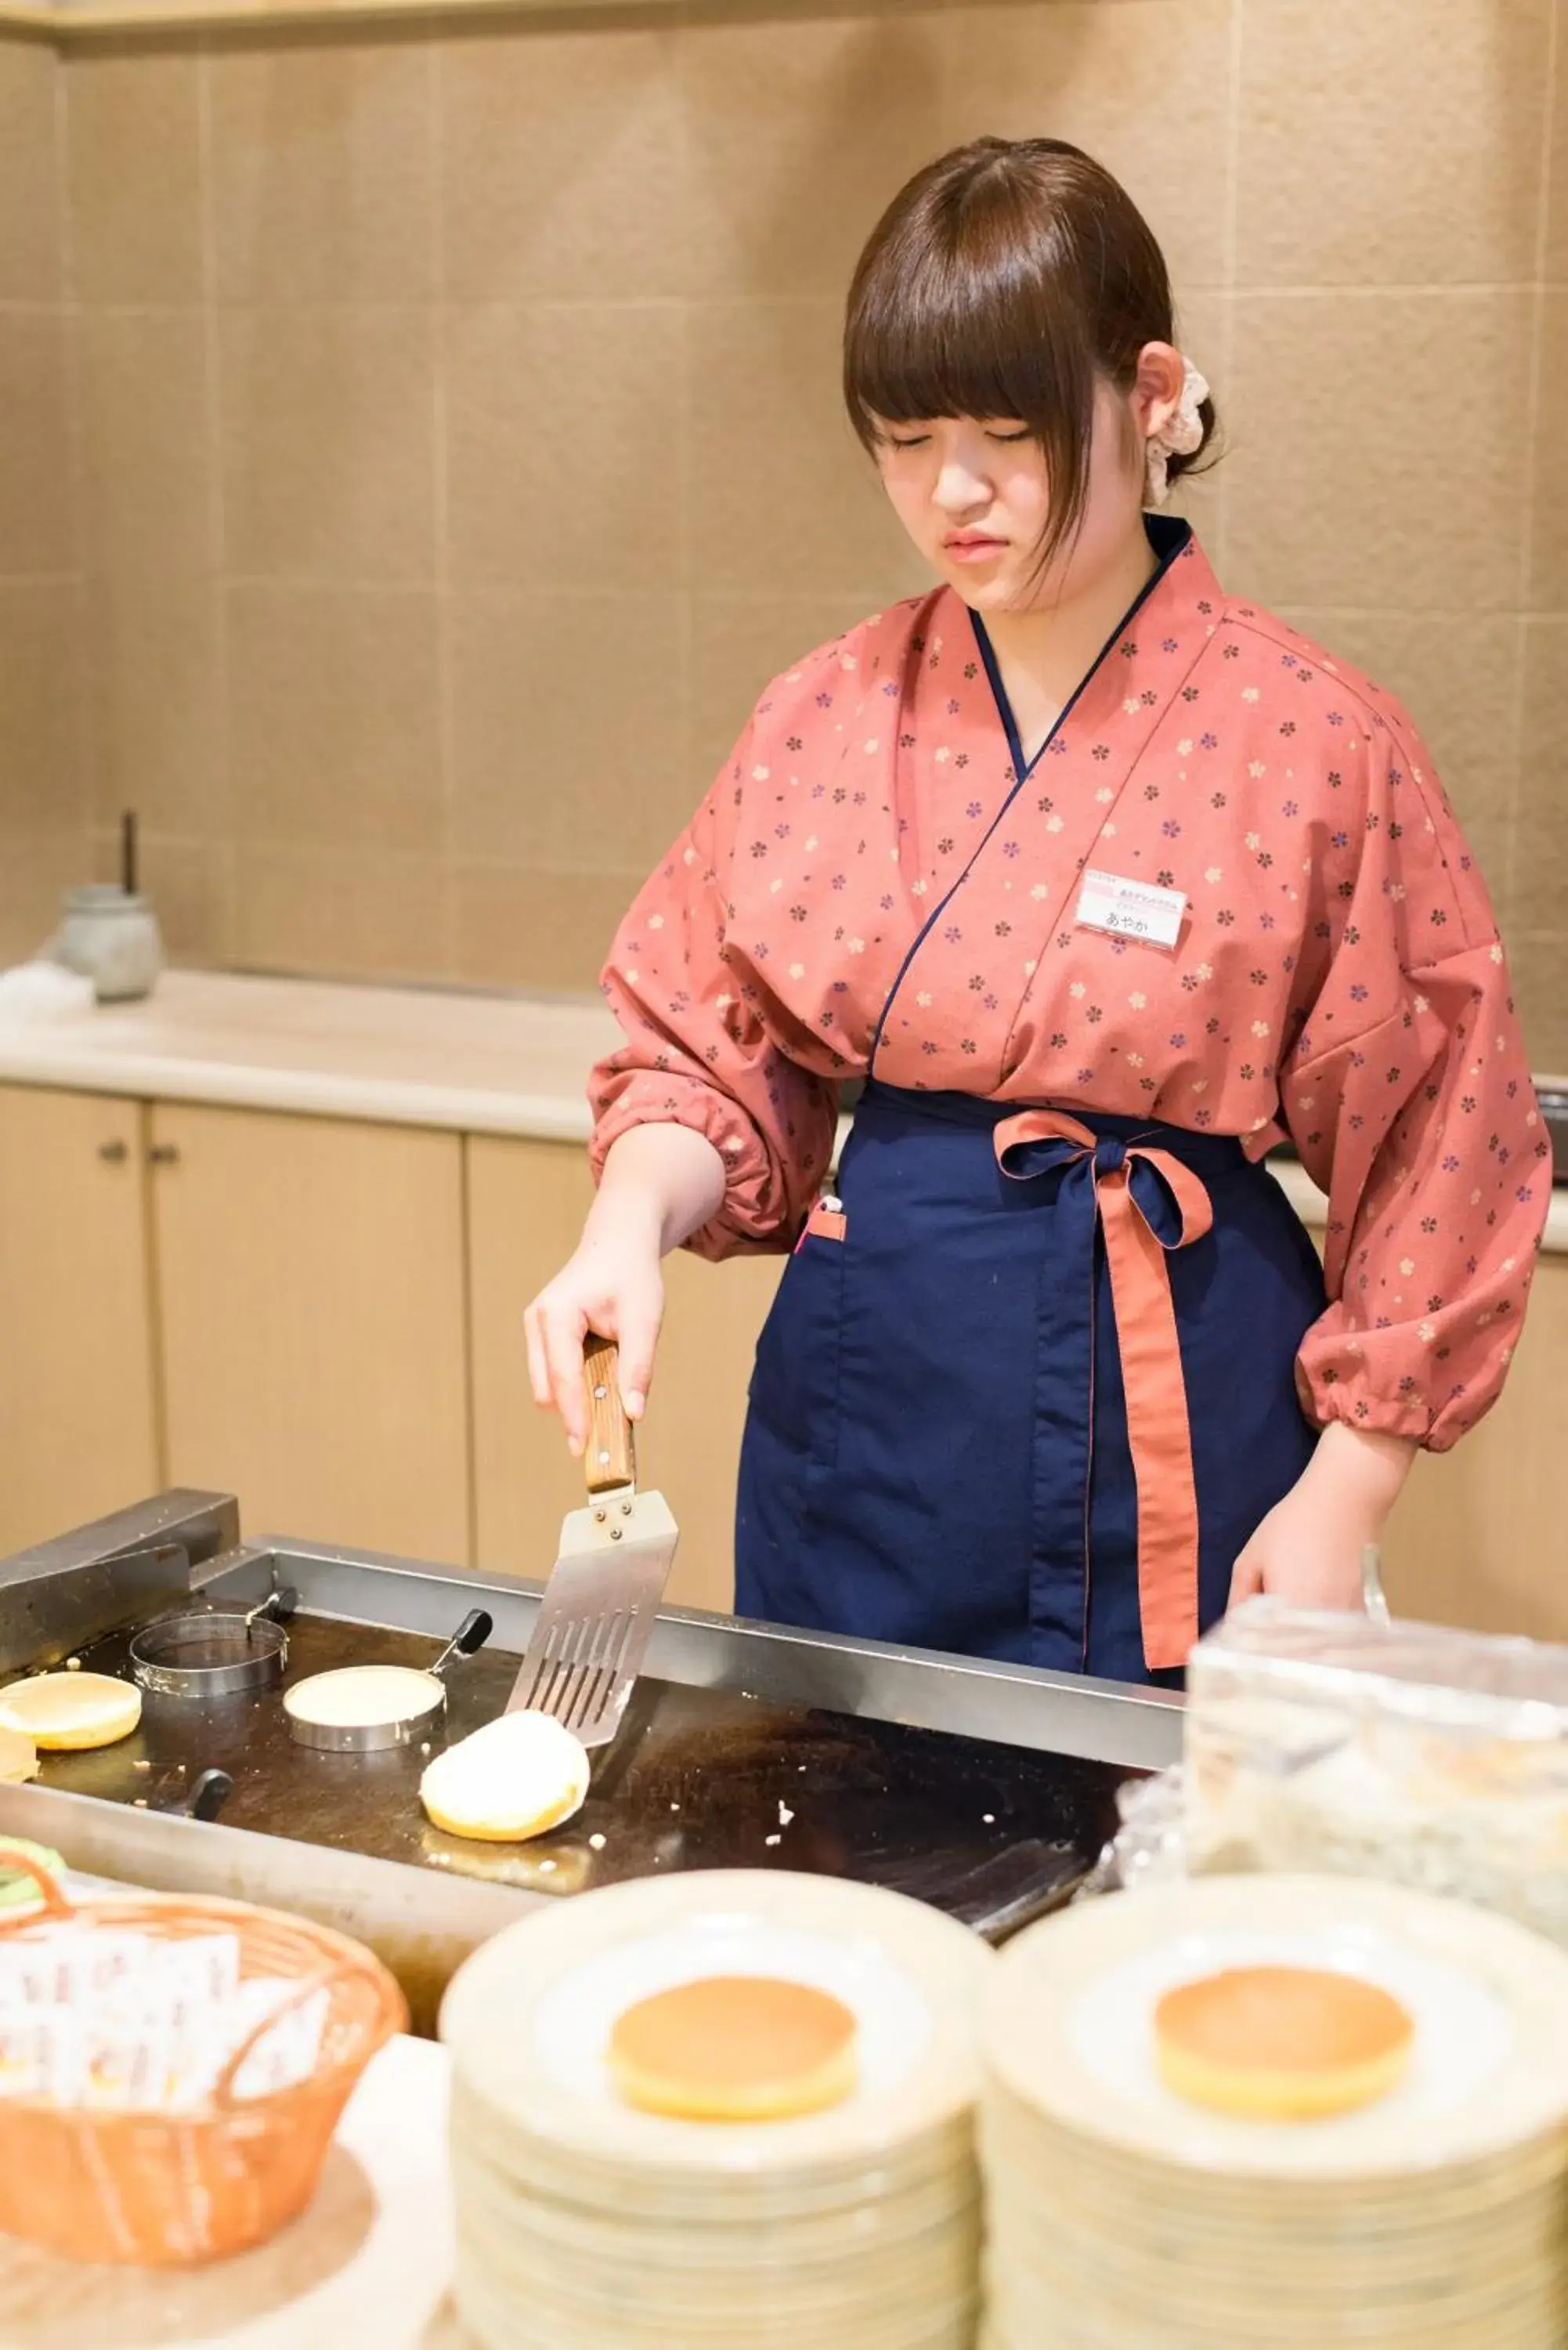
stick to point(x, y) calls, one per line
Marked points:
point(1374, 1597)
point(597, 1617)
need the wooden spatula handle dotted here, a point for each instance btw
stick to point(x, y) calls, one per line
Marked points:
point(610, 1459)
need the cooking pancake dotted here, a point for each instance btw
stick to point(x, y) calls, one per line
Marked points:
point(18, 1758)
point(364, 1697)
point(71, 1710)
point(735, 2048)
point(1281, 2043)
point(518, 1776)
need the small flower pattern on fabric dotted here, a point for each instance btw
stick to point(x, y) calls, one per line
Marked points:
point(1338, 975)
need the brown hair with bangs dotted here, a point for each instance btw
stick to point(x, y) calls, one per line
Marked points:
point(1001, 282)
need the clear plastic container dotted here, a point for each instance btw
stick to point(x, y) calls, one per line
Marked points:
point(1430, 1757)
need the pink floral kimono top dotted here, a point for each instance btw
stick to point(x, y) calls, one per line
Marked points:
point(870, 874)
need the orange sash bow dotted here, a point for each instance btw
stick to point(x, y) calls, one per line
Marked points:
point(1159, 1434)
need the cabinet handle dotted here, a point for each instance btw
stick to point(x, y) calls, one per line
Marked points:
point(113, 1154)
point(163, 1154)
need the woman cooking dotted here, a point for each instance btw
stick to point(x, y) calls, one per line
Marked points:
point(1104, 881)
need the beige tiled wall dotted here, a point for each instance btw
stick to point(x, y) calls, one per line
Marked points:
point(43, 795)
point(462, 445)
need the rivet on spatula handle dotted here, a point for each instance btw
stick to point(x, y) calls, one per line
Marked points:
point(611, 1460)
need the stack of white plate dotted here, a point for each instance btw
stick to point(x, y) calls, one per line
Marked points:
point(1123, 2218)
point(585, 2224)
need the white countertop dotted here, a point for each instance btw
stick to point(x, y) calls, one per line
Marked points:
point(403, 1056)
point(470, 1063)
point(369, 2263)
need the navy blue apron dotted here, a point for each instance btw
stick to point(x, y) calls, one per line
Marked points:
point(937, 1451)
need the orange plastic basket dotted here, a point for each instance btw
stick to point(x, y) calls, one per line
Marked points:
point(174, 2190)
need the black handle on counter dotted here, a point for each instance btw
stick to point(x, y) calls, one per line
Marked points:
point(277, 1607)
point(208, 1796)
point(470, 1634)
point(202, 1800)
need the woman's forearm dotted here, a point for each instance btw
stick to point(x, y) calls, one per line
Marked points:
point(1308, 1550)
point(661, 1183)
point(1362, 1469)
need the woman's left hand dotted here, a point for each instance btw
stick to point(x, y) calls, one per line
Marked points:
point(1308, 1549)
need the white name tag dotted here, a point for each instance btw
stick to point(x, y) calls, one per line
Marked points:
point(1131, 910)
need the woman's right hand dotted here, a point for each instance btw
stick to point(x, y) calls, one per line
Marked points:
point(659, 1182)
point(612, 1285)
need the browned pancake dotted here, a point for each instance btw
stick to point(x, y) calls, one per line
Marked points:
point(735, 2048)
point(1282, 2042)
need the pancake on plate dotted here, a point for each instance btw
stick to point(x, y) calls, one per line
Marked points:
point(735, 2048)
point(1281, 2043)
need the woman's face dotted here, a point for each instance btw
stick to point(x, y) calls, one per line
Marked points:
point(972, 494)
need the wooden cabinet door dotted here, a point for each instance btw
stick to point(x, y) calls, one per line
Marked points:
point(311, 1287)
point(526, 1202)
point(78, 1429)
point(1477, 1537)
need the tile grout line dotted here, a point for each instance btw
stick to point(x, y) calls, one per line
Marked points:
point(1359, 290)
point(222, 784)
point(15, 306)
point(686, 595)
point(679, 36)
point(1535, 373)
point(1346, 290)
point(68, 310)
point(876, 593)
point(346, 582)
point(1231, 242)
point(435, 93)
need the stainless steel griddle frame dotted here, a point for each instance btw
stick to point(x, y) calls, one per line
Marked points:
point(56, 1596)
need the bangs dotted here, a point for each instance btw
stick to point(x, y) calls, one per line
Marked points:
point(963, 323)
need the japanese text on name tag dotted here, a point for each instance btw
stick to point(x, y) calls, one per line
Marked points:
point(1131, 910)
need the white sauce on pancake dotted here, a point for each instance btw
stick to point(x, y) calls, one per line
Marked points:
point(363, 1697)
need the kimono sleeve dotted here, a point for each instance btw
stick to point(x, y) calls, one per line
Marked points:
point(701, 1050)
point(1410, 1099)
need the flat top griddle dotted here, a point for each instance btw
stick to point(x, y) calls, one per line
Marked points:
point(699, 1778)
